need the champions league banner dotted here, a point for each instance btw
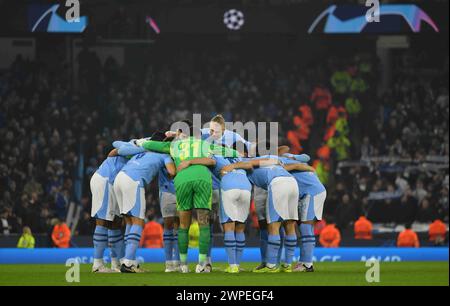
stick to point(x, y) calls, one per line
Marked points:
point(308, 18)
point(84, 255)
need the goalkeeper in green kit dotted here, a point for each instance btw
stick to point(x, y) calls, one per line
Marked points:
point(193, 186)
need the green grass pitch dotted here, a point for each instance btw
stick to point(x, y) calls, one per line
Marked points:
point(327, 273)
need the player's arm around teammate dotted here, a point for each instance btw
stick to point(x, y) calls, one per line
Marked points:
point(205, 161)
point(238, 165)
point(299, 167)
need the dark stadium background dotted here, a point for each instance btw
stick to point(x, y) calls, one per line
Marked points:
point(61, 108)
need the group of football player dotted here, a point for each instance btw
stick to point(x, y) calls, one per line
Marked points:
point(203, 173)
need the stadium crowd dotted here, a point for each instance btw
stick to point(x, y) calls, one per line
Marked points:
point(402, 175)
point(48, 129)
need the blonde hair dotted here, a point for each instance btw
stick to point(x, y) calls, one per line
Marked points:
point(27, 230)
point(219, 119)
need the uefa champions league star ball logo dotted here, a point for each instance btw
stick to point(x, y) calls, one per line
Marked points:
point(233, 19)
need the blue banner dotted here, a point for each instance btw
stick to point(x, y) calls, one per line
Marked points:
point(387, 18)
point(46, 18)
point(84, 255)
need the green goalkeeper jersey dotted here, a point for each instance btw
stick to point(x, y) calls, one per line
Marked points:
point(188, 149)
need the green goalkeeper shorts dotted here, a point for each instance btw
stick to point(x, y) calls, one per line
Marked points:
point(194, 194)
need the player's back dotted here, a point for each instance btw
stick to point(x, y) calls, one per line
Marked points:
point(111, 166)
point(145, 166)
point(236, 179)
point(264, 174)
point(308, 182)
point(188, 149)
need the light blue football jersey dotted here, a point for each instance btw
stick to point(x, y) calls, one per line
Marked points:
point(228, 138)
point(111, 167)
point(236, 179)
point(262, 176)
point(308, 182)
point(144, 167)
